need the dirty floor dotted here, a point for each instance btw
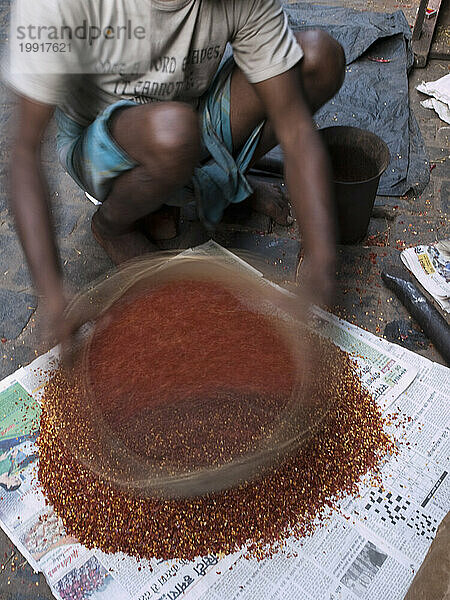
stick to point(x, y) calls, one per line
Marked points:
point(362, 298)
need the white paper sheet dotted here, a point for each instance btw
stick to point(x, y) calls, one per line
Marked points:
point(439, 91)
point(370, 550)
point(431, 266)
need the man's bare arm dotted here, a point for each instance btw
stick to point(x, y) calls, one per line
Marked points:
point(29, 204)
point(307, 173)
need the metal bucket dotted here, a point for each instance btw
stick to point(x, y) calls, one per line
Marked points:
point(358, 159)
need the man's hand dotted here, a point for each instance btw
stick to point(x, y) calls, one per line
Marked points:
point(317, 274)
point(54, 326)
point(58, 326)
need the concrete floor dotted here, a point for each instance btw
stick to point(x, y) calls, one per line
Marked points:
point(362, 298)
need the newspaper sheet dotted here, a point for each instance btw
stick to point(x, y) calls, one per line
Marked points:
point(431, 266)
point(369, 549)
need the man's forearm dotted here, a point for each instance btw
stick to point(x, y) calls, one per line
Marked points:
point(29, 205)
point(308, 178)
point(307, 170)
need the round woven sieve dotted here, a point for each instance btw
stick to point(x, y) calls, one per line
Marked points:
point(193, 376)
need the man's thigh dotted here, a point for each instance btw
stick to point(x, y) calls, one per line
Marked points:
point(320, 74)
point(90, 154)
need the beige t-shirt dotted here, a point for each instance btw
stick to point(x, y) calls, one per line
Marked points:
point(83, 55)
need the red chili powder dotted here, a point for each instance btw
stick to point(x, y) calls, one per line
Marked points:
point(183, 338)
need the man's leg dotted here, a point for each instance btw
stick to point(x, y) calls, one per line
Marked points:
point(322, 71)
point(164, 139)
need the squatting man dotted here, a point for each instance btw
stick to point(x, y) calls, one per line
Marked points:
point(149, 115)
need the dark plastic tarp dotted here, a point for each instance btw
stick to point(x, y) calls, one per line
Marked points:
point(374, 95)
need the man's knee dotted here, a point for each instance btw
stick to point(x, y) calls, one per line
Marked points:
point(323, 61)
point(171, 135)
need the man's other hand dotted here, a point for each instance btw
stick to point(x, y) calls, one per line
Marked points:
point(55, 326)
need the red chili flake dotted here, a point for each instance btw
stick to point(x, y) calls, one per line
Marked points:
point(203, 338)
point(379, 59)
point(378, 239)
point(433, 166)
point(3, 340)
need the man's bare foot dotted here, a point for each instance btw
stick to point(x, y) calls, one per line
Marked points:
point(122, 247)
point(271, 200)
point(162, 224)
